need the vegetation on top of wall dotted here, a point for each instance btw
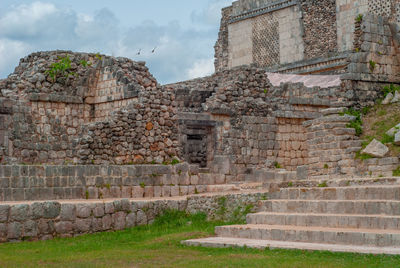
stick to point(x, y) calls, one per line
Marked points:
point(61, 68)
point(359, 18)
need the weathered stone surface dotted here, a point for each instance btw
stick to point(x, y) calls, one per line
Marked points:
point(51, 210)
point(4, 210)
point(83, 210)
point(64, 227)
point(396, 97)
point(119, 220)
point(82, 225)
point(376, 149)
point(20, 212)
point(30, 228)
point(14, 230)
point(68, 212)
point(130, 220)
point(387, 99)
point(397, 138)
point(393, 130)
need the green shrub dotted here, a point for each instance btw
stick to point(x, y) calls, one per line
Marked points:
point(61, 68)
point(359, 18)
point(323, 184)
point(174, 162)
point(357, 123)
point(390, 89)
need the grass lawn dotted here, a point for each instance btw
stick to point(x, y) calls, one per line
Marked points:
point(158, 245)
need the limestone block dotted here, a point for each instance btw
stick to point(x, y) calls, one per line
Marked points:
point(396, 97)
point(19, 212)
point(14, 230)
point(83, 210)
point(130, 220)
point(51, 210)
point(4, 209)
point(82, 225)
point(119, 220)
point(64, 227)
point(397, 138)
point(376, 149)
point(68, 212)
point(98, 211)
point(141, 218)
point(387, 99)
point(393, 130)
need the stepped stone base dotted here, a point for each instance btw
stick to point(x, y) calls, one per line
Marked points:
point(357, 215)
point(227, 242)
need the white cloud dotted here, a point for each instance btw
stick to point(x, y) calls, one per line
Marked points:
point(202, 67)
point(180, 53)
point(211, 14)
point(10, 52)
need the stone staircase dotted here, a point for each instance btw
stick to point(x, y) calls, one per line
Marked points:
point(360, 215)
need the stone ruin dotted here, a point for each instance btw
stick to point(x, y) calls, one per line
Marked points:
point(269, 118)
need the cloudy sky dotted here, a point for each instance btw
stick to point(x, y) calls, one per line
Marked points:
point(182, 31)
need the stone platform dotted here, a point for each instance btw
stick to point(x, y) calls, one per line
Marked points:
point(361, 216)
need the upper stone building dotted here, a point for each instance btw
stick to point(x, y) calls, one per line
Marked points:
point(300, 36)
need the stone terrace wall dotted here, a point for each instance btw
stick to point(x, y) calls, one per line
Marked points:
point(320, 31)
point(47, 220)
point(18, 183)
point(332, 146)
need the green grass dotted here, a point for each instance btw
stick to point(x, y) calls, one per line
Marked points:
point(396, 172)
point(159, 245)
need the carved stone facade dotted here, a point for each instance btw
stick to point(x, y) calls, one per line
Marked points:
point(295, 36)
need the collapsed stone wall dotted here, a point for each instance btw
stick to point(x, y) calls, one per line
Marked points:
point(320, 30)
point(49, 115)
point(221, 46)
point(48, 220)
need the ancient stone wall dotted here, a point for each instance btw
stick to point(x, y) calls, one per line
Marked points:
point(320, 28)
point(50, 115)
point(221, 46)
point(19, 183)
point(269, 38)
point(377, 59)
point(347, 12)
point(48, 220)
point(144, 132)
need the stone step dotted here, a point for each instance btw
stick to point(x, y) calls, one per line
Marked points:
point(340, 182)
point(326, 220)
point(228, 242)
point(361, 207)
point(381, 192)
point(340, 236)
point(251, 185)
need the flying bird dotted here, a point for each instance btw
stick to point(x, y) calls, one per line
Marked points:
point(154, 49)
point(140, 50)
